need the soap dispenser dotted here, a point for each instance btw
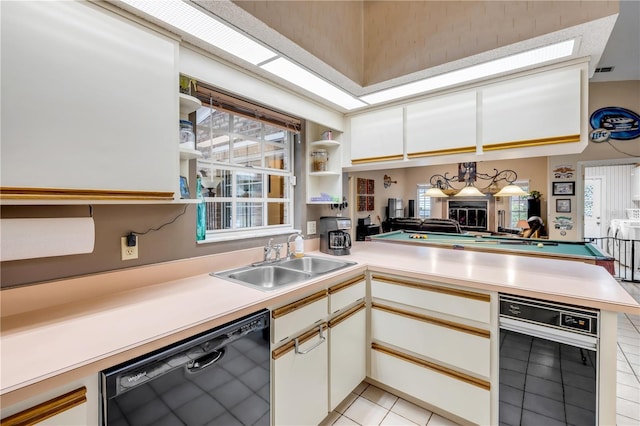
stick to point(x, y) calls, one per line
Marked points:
point(299, 244)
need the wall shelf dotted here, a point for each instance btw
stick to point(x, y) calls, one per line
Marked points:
point(188, 104)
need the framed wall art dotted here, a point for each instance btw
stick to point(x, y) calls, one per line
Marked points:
point(564, 188)
point(563, 205)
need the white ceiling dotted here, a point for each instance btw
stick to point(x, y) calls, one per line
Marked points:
point(623, 48)
point(607, 41)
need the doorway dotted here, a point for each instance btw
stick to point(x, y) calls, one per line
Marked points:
point(594, 225)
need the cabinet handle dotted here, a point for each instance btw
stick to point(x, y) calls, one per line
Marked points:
point(320, 341)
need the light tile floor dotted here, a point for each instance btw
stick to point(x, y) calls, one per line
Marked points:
point(369, 405)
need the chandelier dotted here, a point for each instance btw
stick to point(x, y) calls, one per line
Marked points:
point(465, 183)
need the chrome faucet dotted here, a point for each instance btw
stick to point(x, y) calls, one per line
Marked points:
point(269, 251)
point(289, 252)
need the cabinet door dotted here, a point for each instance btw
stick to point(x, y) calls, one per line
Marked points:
point(456, 394)
point(74, 404)
point(347, 353)
point(532, 110)
point(377, 136)
point(444, 342)
point(300, 380)
point(346, 293)
point(442, 125)
point(89, 101)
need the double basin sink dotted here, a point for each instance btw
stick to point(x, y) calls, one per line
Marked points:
point(275, 275)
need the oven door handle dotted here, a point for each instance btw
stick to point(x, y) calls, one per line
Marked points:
point(206, 360)
point(550, 333)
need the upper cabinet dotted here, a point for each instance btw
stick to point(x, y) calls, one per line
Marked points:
point(324, 165)
point(89, 105)
point(442, 125)
point(377, 136)
point(535, 110)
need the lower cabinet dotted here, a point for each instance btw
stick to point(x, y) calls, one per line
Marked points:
point(300, 384)
point(75, 404)
point(441, 388)
point(347, 353)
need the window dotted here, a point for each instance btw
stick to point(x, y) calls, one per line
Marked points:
point(518, 206)
point(424, 201)
point(246, 168)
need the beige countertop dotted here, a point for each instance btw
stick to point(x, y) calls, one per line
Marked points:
point(51, 345)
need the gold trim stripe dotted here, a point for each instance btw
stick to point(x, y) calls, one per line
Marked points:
point(353, 281)
point(13, 193)
point(47, 409)
point(461, 150)
point(286, 309)
point(452, 292)
point(346, 315)
point(432, 366)
point(376, 159)
point(303, 338)
point(531, 142)
point(435, 321)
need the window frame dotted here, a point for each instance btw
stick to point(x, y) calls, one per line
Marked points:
point(524, 184)
point(421, 188)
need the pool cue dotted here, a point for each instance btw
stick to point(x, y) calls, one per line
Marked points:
point(458, 242)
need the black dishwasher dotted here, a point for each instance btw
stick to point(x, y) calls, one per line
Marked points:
point(219, 377)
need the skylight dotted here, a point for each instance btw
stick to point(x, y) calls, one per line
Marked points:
point(497, 66)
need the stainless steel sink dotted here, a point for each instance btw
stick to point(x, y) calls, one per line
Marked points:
point(268, 276)
point(272, 276)
point(315, 265)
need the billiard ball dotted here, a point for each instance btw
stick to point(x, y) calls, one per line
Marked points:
point(425, 237)
point(540, 245)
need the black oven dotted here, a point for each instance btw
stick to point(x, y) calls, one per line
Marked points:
point(220, 377)
point(548, 363)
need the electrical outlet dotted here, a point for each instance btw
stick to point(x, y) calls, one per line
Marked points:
point(311, 227)
point(128, 253)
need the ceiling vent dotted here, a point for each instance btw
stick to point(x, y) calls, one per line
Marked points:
point(604, 69)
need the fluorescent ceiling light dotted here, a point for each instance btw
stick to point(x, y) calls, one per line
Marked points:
point(299, 76)
point(509, 63)
point(192, 21)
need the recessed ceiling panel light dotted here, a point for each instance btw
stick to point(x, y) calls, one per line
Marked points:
point(198, 24)
point(299, 76)
point(498, 66)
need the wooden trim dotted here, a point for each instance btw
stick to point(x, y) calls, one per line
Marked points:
point(286, 309)
point(377, 159)
point(341, 286)
point(47, 409)
point(432, 320)
point(432, 366)
point(448, 151)
point(531, 142)
point(452, 292)
point(346, 315)
point(13, 193)
point(303, 338)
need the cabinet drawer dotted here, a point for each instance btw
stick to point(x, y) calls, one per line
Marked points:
point(461, 303)
point(299, 315)
point(457, 394)
point(457, 345)
point(346, 293)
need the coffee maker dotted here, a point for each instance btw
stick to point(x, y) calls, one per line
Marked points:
point(334, 235)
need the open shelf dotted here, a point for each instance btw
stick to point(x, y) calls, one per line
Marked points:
point(188, 104)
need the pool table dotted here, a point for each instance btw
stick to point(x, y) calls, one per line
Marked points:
point(565, 250)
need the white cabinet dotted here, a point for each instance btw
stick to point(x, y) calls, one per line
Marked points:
point(290, 319)
point(74, 404)
point(324, 165)
point(422, 334)
point(347, 353)
point(377, 136)
point(539, 109)
point(442, 125)
point(300, 386)
point(85, 109)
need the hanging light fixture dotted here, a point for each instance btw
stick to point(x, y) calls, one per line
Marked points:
point(468, 175)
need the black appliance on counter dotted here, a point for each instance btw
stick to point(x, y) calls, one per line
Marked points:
point(334, 235)
point(365, 228)
point(219, 377)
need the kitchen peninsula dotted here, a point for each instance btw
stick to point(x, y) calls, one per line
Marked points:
point(56, 334)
